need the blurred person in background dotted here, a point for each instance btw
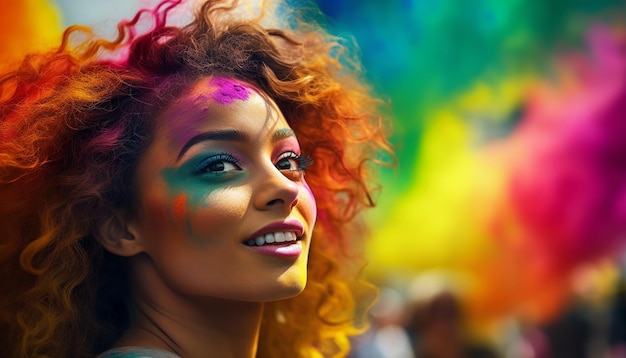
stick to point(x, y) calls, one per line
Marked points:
point(436, 324)
point(386, 337)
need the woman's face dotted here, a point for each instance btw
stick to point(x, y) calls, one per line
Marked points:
point(223, 207)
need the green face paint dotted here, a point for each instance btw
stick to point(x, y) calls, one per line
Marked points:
point(196, 180)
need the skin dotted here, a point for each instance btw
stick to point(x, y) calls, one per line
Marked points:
point(197, 288)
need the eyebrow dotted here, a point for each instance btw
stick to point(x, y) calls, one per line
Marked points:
point(282, 133)
point(230, 135)
point(226, 134)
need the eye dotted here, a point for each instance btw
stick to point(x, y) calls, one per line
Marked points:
point(222, 162)
point(293, 161)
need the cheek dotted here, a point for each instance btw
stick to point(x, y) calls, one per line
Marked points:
point(155, 211)
point(179, 208)
point(165, 213)
point(308, 203)
point(308, 190)
point(220, 213)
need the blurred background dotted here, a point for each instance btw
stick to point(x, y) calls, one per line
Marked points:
point(501, 232)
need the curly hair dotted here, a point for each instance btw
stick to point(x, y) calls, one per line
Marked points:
point(74, 123)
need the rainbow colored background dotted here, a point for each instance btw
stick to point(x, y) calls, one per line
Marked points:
point(510, 119)
point(510, 129)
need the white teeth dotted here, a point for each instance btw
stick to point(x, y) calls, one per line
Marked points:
point(272, 238)
point(280, 237)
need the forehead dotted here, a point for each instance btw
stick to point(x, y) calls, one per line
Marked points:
point(220, 90)
point(218, 103)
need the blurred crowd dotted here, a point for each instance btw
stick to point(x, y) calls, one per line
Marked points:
point(425, 318)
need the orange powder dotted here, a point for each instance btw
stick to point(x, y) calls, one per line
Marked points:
point(179, 207)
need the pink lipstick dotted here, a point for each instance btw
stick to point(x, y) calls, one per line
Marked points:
point(281, 239)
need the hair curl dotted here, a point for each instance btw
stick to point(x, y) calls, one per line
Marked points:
point(74, 123)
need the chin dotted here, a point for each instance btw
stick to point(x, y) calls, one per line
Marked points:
point(286, 287)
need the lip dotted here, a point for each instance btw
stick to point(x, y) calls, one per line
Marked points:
point(291, 250)
point(287, 249)
point(294, 226)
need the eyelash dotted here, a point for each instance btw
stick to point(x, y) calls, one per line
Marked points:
point(302, 161)
point(305, 161)
point(217, 158)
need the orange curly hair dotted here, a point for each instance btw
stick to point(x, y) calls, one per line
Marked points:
point(74, 123)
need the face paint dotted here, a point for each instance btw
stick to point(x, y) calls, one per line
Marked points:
point(228, 90)
point(179, 214)
point(194, 112)
point(191, 187)
point(217, 172)
point(284, 133)
point(179, 208)
point(194, 108)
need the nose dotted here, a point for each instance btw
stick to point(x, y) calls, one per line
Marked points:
point(275, 191)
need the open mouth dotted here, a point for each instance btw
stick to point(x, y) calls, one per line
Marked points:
point(273, 238)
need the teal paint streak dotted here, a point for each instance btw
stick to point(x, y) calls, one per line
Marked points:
point(284, 132)
point(197, 186)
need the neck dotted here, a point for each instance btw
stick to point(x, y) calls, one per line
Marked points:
point(191, 326)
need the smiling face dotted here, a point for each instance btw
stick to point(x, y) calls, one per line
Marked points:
point(223, 209)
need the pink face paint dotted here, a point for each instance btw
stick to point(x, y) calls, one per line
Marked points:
point(184, 117)
point(309, 191)
point(227, 90)
point(194, 108)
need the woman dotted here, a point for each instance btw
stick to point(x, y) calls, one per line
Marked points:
point(153, 193)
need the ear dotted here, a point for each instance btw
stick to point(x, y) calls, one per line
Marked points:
point(116, 235)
